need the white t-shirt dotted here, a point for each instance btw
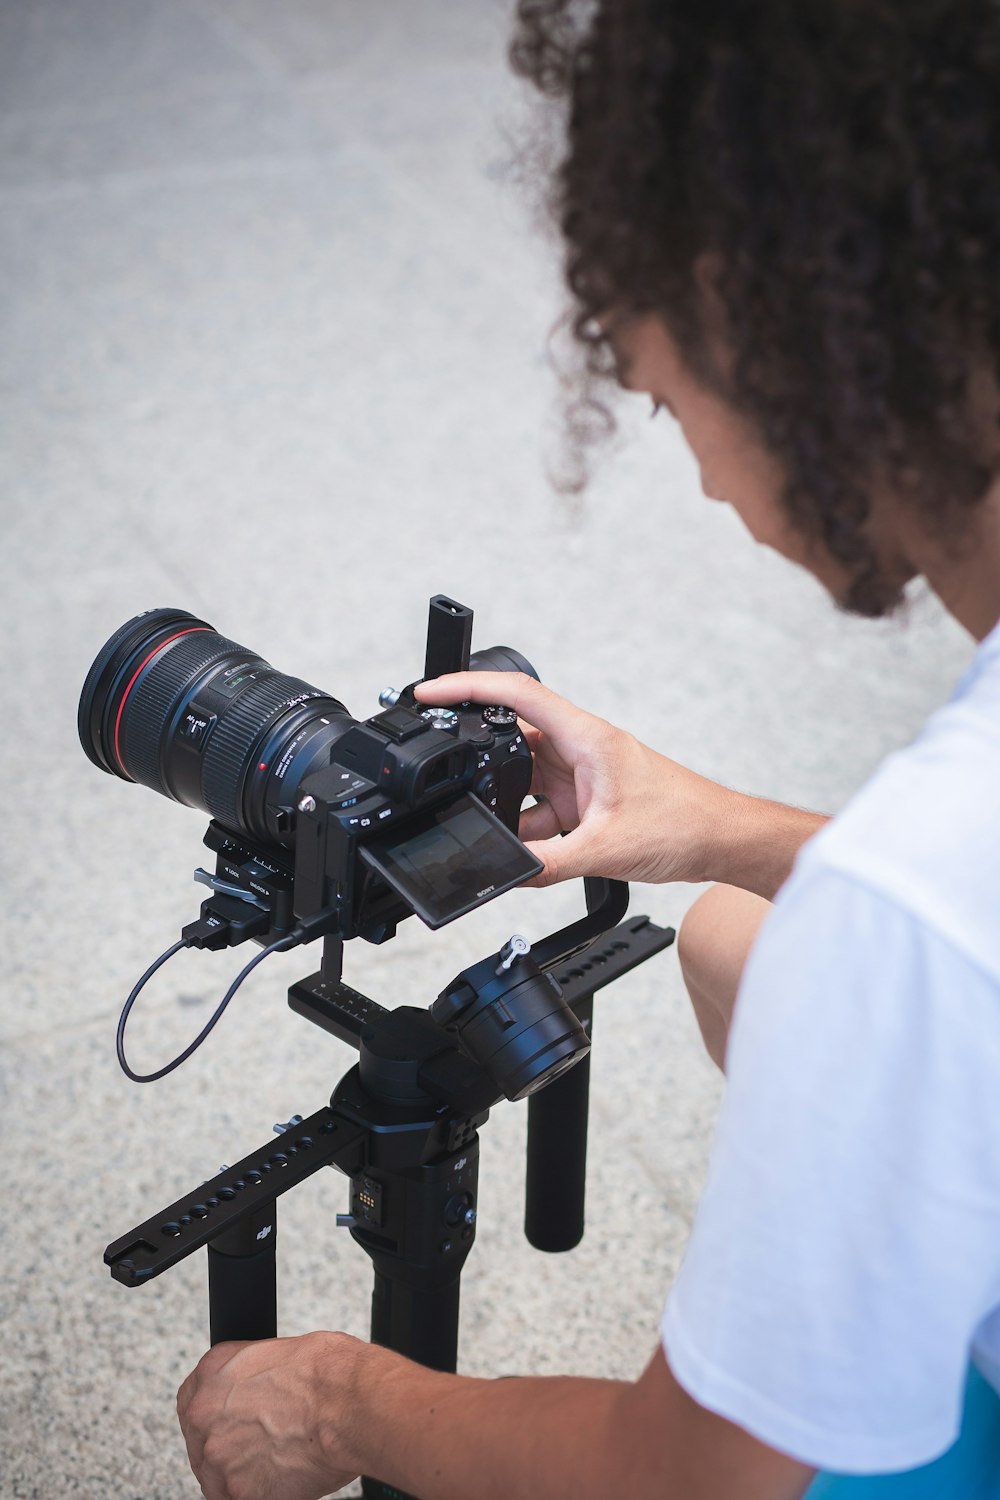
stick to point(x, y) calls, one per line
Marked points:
point(844, 1265)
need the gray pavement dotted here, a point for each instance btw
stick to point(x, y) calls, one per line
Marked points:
point(273, 338)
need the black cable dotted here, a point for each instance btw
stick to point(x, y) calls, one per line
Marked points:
point(291, 941)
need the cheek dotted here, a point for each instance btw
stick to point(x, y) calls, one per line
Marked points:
point(766, 523)
point(736, 485)
point(739, 473)
point(736, 468)
point(763, 525)
point(758, 505)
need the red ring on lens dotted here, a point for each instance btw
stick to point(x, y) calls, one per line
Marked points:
point(193, 631)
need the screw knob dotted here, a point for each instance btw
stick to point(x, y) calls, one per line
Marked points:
point(515, 948)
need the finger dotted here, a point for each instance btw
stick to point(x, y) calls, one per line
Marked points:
point(538, 822)
point(529, 699)
point(193, 1440)
point(548, 874)
point(567, 858)
point(219, 1355)
point(213, 1486)
point(211, 1361)
point(537, 787)
point(185, 1394)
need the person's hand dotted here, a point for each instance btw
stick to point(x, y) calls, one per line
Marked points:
point(260, 1420)
point(627, 811)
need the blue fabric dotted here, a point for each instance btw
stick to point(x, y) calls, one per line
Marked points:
point(968, 1471)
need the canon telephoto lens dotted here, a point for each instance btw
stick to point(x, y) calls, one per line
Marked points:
point(172, 704)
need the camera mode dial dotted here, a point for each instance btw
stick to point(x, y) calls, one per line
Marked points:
point(501, 719)
point(441, 718)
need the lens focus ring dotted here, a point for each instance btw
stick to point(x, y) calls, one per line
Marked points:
point(227, 754)
point(151, 701)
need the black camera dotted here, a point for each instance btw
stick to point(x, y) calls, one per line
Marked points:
point(413, 810)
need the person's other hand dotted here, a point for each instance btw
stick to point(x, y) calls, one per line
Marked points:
point(257, 1417)
point(627, 811)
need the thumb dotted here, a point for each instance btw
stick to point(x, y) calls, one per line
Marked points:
point(567, 858)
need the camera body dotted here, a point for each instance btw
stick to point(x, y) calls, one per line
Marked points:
point(399, 820)
point(317, 816)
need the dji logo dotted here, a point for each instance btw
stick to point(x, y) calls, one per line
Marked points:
point(263, 1233)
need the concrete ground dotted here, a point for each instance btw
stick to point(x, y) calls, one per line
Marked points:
point(273, 351)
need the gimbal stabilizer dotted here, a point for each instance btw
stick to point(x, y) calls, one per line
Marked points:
point(184, 709)
point(402, 1126)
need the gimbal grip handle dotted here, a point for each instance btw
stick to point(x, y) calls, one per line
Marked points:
point(555, 1189)
point(555, 1185)
point(242, 1279)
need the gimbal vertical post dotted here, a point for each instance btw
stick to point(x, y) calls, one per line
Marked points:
point(415, 1317)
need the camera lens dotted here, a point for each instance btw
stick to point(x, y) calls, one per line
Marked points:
point(174, 705)
point(501, 659)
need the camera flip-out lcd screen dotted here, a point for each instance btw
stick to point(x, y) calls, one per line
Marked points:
point(451, 859)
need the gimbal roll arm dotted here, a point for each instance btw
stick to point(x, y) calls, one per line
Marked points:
point(607, 903)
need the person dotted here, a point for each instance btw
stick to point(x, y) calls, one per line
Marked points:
point(782, 221)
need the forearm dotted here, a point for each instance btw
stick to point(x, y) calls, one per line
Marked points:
point(448, 1437)
point(755, 842)
point(302, 1416)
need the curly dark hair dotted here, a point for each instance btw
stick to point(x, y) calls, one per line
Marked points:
point(837, 162)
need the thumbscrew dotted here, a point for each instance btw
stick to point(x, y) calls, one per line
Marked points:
point(515, 948)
